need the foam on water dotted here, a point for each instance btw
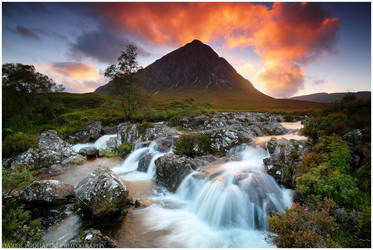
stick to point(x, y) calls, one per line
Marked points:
point(100, 143)
point(226, 210)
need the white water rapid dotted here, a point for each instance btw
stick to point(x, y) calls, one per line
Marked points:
point(128, 169)
point(222, 205)
point(100, 143)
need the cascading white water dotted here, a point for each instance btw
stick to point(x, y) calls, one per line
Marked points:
point(228, 208)
point(130, 165)
point(100, 143)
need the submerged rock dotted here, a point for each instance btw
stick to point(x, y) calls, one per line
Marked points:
point(144, 162)
point(172, 169)
point(102, 192)
point(47, 191)
point(73, 161)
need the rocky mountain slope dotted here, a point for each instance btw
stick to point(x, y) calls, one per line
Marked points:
point(196, 70)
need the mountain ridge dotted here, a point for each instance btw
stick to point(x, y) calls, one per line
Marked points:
point(196, 71)
point(324, 97)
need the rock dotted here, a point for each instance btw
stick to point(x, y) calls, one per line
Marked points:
point(101, 152)
point(159, 130)
point(271, 145)
point(47, 191)
point(127, 133)
point(285, 158)
point(353, 137)
point(94, 130)
point(109, 130)
point(144, 162)
point(91, 238)
point(223, 139)
point(73, 161)
point(102, 192)
point(164, 144)
point(111, 144)
point(172, 169)
point(79, 137)
point(143, 144)
point(142, 203)
point(51, 149)
point(90, 152)
point(55, 169)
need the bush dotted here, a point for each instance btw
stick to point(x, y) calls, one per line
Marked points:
point(16, 178)
point(143, 126)
point(124, 149)
point(191, 145)
point(19, 229)
point(301, 227)
point(311, 160)
point(323, 181)
point(18, 143)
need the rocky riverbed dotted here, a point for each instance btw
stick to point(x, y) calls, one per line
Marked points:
point(136, 202)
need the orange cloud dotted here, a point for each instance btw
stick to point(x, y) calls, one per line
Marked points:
point(288, 35)
point(75, 70)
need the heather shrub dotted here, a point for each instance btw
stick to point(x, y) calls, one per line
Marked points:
point(16, 178)
point(311, 160)
point(191, 145)
point(304, 228)
point(124, 149)
point(323, 181)
point(17, 143)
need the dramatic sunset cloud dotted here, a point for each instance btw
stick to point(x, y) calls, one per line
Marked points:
point(75, 69)
point(284, 49)
point(287, 36)
point(75, 76)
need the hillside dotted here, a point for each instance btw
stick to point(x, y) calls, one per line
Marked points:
point(332, 97)
point(196, 71)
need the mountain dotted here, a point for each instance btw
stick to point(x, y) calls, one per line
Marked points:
point(196, 70)
point(332, 97)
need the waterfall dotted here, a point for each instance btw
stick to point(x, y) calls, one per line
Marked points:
point(100, 143)
point(228, 208)
point(130, 165)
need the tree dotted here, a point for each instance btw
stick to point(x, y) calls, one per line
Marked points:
point(24, 79)
point(22, 88)
point(123, 79)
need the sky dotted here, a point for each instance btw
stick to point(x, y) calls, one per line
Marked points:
point(284, 49)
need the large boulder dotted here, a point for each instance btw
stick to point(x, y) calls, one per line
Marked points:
point(91, 133)
point(159, 130)
point(172, 169)
point(94, 130)
point(103, 193)
point(128, 133)
point(90, 152)
point(223, 139)
point(47, 191)
point(91, 238)
point(51, 149)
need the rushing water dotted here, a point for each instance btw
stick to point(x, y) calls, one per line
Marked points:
point(100, 143)
point(220, 205)
point(226, 208)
